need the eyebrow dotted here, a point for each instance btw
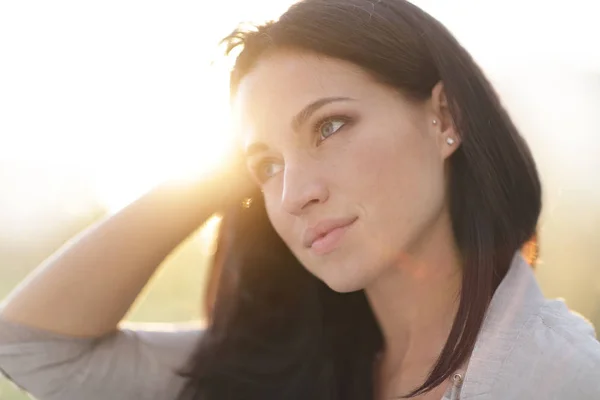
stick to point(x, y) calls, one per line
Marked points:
point(306, 112)
point(298, 120)
point(255, 148)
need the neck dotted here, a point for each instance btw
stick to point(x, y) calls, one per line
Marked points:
point(415, 302)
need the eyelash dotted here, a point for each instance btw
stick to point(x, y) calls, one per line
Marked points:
point(257, 170)
point(330, 118)
point(318, 134)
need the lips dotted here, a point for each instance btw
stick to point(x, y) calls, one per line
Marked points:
point(325, 227)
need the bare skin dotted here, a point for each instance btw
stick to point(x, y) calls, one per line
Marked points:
point(87, 287)
point(367, 158)
point(368, 161)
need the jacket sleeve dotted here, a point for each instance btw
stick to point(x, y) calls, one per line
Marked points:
point(134, 362)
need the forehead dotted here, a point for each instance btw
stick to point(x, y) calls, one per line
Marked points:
point(283, 83)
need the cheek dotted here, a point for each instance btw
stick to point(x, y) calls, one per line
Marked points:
point(382, 166)
point(273, 211)
point(282, 222)
point(401, 176)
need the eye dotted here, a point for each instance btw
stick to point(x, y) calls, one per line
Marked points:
point(328, 126)
point(266, 169)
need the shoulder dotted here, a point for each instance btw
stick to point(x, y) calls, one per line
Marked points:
point(560, 335)
point(135, 361)
point(555, 356)
point(531, 347)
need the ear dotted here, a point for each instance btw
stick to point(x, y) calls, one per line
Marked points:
point(442, 122)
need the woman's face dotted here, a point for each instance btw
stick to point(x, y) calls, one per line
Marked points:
point(352, 171)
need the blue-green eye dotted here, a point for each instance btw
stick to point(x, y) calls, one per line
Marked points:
point(330, 126)
point(267, 169)
point(271, 169)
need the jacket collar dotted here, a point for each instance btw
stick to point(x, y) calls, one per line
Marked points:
point(517, 297)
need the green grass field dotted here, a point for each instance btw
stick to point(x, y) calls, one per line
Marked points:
point(174, 294)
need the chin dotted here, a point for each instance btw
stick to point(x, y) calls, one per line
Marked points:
point(344, 282)
point(344, 287)
point(343, 272)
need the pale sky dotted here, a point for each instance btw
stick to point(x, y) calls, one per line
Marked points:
point(119, 94)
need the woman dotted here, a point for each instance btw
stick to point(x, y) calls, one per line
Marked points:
point(379, 255)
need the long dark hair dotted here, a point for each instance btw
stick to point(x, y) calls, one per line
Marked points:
point(277, 332)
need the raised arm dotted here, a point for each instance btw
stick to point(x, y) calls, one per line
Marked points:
point(60, 336)
point(87, 287)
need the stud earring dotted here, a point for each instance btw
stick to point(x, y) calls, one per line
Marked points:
point(450, 141)
point(434, 121)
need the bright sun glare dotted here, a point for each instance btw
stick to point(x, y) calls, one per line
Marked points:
point(122, 94)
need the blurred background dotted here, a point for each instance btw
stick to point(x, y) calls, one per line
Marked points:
point(99, 101)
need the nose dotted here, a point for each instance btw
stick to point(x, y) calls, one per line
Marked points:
point(302, 188)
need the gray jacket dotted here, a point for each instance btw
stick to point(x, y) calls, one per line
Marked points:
point(528, 348)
